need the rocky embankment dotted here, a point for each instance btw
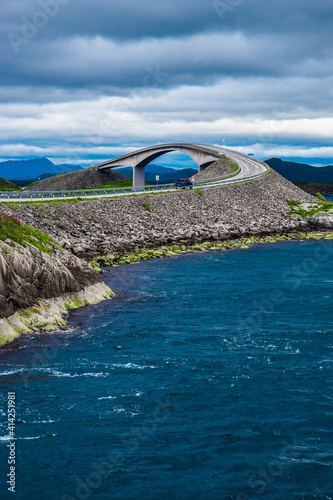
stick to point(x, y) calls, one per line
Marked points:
point(221, 168)
point(95, 228)
point(39, 280)
point(88, 177)
point(41, 273)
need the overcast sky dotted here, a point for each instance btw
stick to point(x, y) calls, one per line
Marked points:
point(85, 80)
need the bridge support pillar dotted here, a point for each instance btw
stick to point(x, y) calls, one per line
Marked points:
point(138, 176)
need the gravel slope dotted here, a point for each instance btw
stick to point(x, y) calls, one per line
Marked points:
point(88, 177)
point(120, 225)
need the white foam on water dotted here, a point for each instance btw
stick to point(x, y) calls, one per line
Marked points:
point(37, 437)
point(133, 365)
point(6, 438)
point(12, 372)
point(118, 409)
point(61, 374)
point(50, 421)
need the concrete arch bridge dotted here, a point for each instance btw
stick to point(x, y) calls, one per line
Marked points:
point(204, 155)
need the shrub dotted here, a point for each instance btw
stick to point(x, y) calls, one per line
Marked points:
point(320, 197)
point(146, 206)
point(12, 231)
point(199, 191)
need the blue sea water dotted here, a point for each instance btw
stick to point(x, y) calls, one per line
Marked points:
point(209, 376)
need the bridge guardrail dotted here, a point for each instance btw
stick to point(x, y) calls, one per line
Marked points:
point(94, 193)
point(121, 189)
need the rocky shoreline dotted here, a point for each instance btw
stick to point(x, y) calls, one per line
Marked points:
point(49, 315)
point(95, 228)
point(243, 243)
point(39, 281)
point(127, 229)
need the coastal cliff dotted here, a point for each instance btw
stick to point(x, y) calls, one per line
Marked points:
point(39, 280)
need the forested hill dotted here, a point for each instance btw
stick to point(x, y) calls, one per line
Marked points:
point(301, 172)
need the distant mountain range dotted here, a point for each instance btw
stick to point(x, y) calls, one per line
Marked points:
point(22, 172)
point(301, 172)
point(292, 171)
point(28, 170)
point(166, 174)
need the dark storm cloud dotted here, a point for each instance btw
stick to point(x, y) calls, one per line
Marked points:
point(133, 19)
point(156, 70)
point(93, 44)
point(199, 59)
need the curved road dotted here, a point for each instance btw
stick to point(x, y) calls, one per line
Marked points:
point(249, 168)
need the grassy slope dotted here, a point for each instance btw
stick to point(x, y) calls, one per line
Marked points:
point(13, 231)
point(8, 186)
point(110, 185)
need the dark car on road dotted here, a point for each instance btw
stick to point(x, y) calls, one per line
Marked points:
point(183, 184)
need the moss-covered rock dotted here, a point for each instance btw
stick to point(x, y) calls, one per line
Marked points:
point(169, 251)
point(33, 269)
point(49, 315)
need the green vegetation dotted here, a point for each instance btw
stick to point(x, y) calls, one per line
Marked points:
point(320, 197)
point(311, 209)
point(8, 186)
point(223, 177)
point(77, 199)
point(12, 232)
point(111, 185)
point(61, 177)
point(198, 191)
point(128, 183)
point(33, 183)
point(95, 265)
point(235, 169)
point(293, 203)
point(170, 251)
point(48, 314)
point(16, 204)
point(233, 164)
point(146, 206)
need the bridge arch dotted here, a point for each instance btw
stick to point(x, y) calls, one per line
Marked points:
point(203, 155)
